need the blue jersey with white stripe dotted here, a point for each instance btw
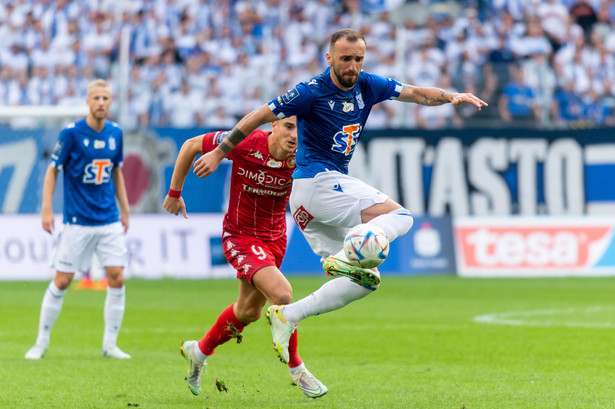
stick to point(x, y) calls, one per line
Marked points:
point(330, 120)
point(88, 158)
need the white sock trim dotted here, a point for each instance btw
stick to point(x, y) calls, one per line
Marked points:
point(395, 224)
point(297, 369)
point(196, 351)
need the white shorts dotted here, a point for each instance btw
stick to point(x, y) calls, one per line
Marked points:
point(77, 244)
point(326, 206)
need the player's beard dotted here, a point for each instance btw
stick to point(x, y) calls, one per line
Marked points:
point(100, 114)
point(347, 82)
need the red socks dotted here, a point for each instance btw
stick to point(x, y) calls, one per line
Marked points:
point(293, 351)
point(228, 325)
point(223, 330)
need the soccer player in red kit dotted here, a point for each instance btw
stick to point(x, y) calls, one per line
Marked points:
point(254, 238)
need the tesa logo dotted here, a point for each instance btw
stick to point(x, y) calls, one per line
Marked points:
point(528, 247)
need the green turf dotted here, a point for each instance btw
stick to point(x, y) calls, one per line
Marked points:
point(412, 344)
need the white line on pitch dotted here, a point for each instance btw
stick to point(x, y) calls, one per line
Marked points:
point(522, 318)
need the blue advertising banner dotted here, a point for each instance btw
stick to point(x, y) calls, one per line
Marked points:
point(492, 172)
point(481, 172)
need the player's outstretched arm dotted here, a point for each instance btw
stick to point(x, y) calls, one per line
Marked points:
point(437, 96)
point(174, 203)
point(49, 187)
point(208, 163)
point(122, 197)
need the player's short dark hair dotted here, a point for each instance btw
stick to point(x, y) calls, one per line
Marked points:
point(348, 33)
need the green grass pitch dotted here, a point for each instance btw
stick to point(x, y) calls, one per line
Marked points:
point(423, 342)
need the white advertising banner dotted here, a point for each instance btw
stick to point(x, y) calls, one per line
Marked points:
point(158, 246)
point(534, 246)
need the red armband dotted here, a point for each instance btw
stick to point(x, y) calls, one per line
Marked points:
point(175, 193)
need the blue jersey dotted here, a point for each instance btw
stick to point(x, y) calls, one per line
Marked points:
point(88, 158)
point(330, 120)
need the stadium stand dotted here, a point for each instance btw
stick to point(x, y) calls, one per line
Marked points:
point(204, 63)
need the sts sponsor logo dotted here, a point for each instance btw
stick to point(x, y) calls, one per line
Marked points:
point(98, 171)
point(346, 139)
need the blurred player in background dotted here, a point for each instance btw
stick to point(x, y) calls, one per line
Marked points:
point(331, 111)
point(254, 239)
point(90, 152)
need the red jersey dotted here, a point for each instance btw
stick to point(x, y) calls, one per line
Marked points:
point(260, 187)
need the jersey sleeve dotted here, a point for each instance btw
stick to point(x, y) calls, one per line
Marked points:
point(296, 101)
point(118, 161)
point(62, 148)
point(213, 139)
point(383, 88)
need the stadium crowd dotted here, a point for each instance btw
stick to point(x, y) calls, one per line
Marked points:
point(205, 63)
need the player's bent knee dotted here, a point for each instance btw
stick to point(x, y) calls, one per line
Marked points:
point(63, 280)
point(395, 224)
point(282, 298)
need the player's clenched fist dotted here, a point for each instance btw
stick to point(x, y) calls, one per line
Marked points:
point(207, 164)
point(175, 205)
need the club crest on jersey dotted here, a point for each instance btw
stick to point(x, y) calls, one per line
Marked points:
point(272, 163)
point(98, 144)
point(291, 162)
point(112, 145)
point(57, 149)
point(345, 140)
point(219, 137)
point(360, 102)
point(348, 106)
point(98, 171)
point(289, 96)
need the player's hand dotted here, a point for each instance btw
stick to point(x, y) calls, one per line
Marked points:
point(208, 163)
point(48, 220)
point(124, 218)
point(462, 97)
point(175, 205)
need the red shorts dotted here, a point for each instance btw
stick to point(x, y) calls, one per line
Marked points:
point(248, 254)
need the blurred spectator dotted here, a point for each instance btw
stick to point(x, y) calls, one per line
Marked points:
point(567, 106)
point(183, 107)
point(517, 101)
point(595, 110)
point(15, 57)
point(220, 119)
point(40, 87)
point(70, 98)
point(496, 70)
point(98, 45)
point(43, 56)
point(584, 15)
point(554, 19)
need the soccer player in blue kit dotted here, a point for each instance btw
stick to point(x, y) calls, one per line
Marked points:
point(331, 110)
point(90, 152)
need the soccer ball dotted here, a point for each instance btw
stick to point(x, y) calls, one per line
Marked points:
point(366, 245)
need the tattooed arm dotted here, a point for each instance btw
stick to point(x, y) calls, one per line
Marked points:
point(208, 163)
point(437, 96)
